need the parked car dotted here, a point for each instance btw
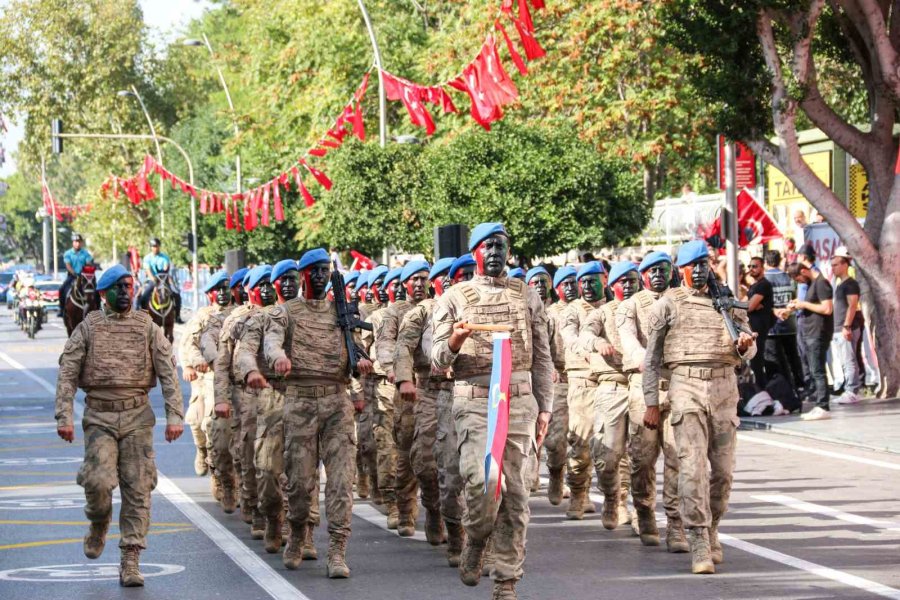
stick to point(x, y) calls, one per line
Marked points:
point(6, 278)
point(49, 291)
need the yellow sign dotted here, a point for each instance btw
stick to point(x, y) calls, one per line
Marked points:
point(781, 190)
point(858, 194)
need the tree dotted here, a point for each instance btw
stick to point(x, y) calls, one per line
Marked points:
point(22, 238)
point(762, 65)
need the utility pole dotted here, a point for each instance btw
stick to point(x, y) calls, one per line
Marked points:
point(730, 216)
point(382, 101)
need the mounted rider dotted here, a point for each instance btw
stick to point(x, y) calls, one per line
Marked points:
point(155, 263)
point(75, 260)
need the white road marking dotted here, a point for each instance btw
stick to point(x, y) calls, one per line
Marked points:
point(369, 513)
point(828, 453)
point(827, 511)
point(79, 407)
point(83, 572)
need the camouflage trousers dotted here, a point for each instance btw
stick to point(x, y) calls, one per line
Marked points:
point(269, 457)
point(555, 441)
point(704, 419)
point(422, 454)
point(406, 484)
point(505, 519)
point(318, 424)
point(118, 451)
point(644, 448)
point(223, 436)
point(446, 450)
point(196, 412)
point(367, 452)
point(610, 438)
point(386, 447)
point(581, 429)
point(249, 409)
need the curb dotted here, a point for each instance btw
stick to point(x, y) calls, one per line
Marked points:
point(750, 424)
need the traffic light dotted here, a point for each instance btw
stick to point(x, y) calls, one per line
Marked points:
point(56, 128)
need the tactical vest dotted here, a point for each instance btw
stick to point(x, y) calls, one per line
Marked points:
point(642, 302)
point(314, 341)
point(232, 330)
point(261, 363)
point(508, 307)
point(118, 353)
point(605, 365)
point(698, 335)
point(375, 318)
point(576, 361)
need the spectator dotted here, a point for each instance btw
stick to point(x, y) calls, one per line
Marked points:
point(816, 329)
point(781, 344)
point(790, 252)
point(760, 300)
point(801, 223)
point(848, 324)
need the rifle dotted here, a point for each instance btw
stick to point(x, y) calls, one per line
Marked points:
point(723, 302)
point(348, 320)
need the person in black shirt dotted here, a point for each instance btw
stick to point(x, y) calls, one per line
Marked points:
point(760, 299)
point(815, 332)
point(781, 346)
point(848, 323)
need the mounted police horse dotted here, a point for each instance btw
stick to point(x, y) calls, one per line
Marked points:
point(82, 299)
point(161, 305)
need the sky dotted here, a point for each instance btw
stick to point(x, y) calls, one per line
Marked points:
point(166, 17)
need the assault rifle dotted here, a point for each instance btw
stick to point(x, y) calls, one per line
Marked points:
point(723, 301)
point(348, 320)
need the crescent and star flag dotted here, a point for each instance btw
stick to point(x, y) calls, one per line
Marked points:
point(755, 225)
point(498, 413)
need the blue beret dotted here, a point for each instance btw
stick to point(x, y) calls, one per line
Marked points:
point(351, 277)
point(440, 266)
point(282, 267)
point(376, 273)
point(619, 270)
point(534, 272)
point(484, 231)
point(110, 276)
point(463, 261)
point(413, 267)
point(592, 268)
point(392, 275)
point(518, 272)
point(562, 273)
point(312, 257)
point(217, 279)
point(238, 276)
point(257, 274)
point(692, 252)
point(363, 280)
point(654, 258)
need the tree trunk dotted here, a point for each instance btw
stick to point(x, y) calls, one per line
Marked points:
point(884, 287)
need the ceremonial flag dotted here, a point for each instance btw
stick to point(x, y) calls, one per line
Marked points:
point(755, 225)
point(498, 413)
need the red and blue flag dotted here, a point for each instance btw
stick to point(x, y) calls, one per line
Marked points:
point(498, 413)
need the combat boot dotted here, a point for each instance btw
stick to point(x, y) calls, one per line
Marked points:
point(246, 513)
point(129, 568)
point(701, 561)
point(257, 525)
point(200, 466)
point(646, 522)
point(377, 498)
point(576, 505)
point(589, 504)
point(229, 497)
point(488, 557)
point(456, 536)
point(625, 517)
point(471, 561)
point(610, 514)
point(676, 542)
point(293, 552)
point(337, 564)
point(309, 544)
point(715, 546)
point(406, 526)
point(555, 487)
point(362, 487)
point(215, 487)
point(504, 590)
point(285, 532)
point(434, 528)
point(273, 533)
point(393, 515)
point(95, 540)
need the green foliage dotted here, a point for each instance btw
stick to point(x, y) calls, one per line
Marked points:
point(22, 239)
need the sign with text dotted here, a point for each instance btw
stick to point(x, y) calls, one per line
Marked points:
point(744, 165)
point(782, 190)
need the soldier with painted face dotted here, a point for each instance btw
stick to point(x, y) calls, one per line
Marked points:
point(632, 320)
point(462, 269)
point(538, 279)
point(116, 355)
point(304, 344)
point(494, 299)
point(582, 383)
point(688, 338)
point(419, 388)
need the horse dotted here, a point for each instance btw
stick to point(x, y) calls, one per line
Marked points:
point(82, 299)
point(162, 305)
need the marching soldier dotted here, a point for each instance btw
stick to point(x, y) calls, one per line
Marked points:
point(688, 336)
point(492, 298)
point(116, 355)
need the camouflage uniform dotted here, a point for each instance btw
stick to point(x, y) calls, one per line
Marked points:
point(632, 318)
point(688, 336)
point(189, 355)
point(367, 452)
point(318, 414)
point(555, 442)
point(496, 300)
point(116, 359)
point(383, 423)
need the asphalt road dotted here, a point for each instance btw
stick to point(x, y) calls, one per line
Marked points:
point(807, 520)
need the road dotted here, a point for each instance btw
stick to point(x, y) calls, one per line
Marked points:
point(807, 520)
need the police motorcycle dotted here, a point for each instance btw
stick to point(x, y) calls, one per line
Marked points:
point(30, 309)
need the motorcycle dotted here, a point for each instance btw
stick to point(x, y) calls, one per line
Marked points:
point(31, 314)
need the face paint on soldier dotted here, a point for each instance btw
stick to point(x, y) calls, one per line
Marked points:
point(491, 254)
point(316, 280)
point(696, 275)
point(267, 293)
point(223, 295)
point(568, 289)
point(627, 285)
point(120, 296)
point(442, 284)
point(370, 296)
point(351, 294)
point(361, 294)
point(541, 285)
point(379, 292)
point(417, 286)
point(396, 291)
point(464, 274)
point(287, 286)
point(591, 287)
point(245, 295)
point(658, 276)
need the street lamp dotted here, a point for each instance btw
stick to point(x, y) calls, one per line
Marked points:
point(162, 203)
point(382, 101)
point(194, 43)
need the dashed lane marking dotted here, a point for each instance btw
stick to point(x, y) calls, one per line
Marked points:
point(114, 536)
point(7, 488)
point(828, 511)
point(828, 453)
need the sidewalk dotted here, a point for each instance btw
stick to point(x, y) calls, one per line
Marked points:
point(871, 424)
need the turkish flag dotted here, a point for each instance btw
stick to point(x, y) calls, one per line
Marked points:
point(361, 261)
point(755, 225)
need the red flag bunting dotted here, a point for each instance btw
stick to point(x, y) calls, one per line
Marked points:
point(307, 197)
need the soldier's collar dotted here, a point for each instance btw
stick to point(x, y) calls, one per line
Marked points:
point(497, 282)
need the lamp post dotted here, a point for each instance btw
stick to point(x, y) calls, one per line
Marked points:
point(234, 123)
point(162, 203)
point(53, 221)
point(382, 102)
